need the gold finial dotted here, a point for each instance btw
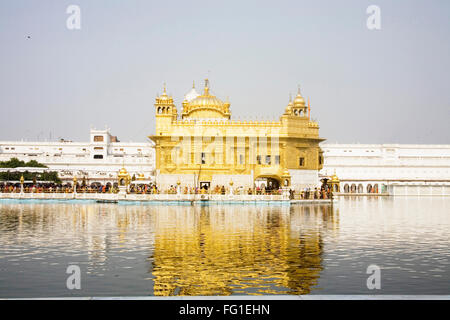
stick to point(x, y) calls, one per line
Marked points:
point(206, 86)
point(164, 88)
point(298, 89)
point(290, 97)
point(193, 84)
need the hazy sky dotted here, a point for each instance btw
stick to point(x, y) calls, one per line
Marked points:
point(369, 86)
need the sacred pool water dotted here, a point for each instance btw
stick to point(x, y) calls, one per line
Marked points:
point(165, 250)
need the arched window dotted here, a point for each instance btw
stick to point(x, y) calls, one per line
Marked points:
point(360, 188)
point(346, 188)
point(369, 188)
point(353, 188)
point(159, 110)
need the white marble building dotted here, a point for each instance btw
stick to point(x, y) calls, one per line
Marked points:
point(97, 160)
point(397, 169)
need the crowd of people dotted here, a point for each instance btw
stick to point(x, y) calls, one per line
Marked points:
point(68, 188)
point(318, 193)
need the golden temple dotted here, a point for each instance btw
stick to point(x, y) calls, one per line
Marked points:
point(203, 147)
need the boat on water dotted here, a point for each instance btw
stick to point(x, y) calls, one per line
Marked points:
point(106, 201)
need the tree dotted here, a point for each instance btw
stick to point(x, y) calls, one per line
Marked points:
point(16, 163)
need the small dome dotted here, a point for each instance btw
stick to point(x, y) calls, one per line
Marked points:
point(299, 101)
point(289, 107)
point(334, 178)
point(164, 97)
point(191, 95)
point(123, 172)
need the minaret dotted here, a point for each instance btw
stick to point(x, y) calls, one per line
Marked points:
point(166, 112)
point(300, 108)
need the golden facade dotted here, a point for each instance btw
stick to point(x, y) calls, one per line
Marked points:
point(203, 145)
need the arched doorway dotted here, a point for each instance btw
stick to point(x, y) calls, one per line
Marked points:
point(346, 188)
point(268, 183)
point(375, 188)
point(353, 188)
point(369, 188)
point(360, 188)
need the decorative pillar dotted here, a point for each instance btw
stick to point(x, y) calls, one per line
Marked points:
point(21, 184)
point(231, 187)
point(178, 187)
point(335, 184)
point(123, 181)
point(286, 183)
point(75, 185)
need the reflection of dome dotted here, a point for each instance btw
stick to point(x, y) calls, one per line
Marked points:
point(205, 105)
point(141, 176)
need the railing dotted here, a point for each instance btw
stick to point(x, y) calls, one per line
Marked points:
point(144, 197)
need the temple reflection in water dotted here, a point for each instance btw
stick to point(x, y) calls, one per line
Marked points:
point(184, 250)
point(239, 250)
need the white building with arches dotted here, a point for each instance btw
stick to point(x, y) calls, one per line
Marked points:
point(397, 169)
point(98, 160)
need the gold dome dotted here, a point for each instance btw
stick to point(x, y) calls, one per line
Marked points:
point(299, 101)
point(123, 172)
point(206, 106)
point(289, 106)
point(334, 177)
point(164, 98)
point(206, 101)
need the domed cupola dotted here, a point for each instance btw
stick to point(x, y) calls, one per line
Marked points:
point(299, 108)
point(206, 106)
point(299, 102)
point(164, 105)
point(289, 107)
point(191, 95)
